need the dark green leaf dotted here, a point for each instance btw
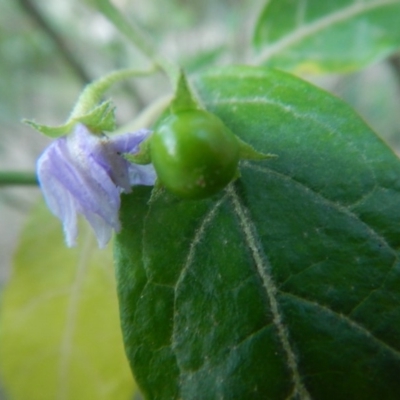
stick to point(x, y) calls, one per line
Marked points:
point(285, 285)
point(326, 36)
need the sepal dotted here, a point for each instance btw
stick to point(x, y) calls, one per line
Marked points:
point(248, 152)
point(184, 99)
point(142, 157)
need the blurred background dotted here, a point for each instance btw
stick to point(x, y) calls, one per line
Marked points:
point(50, 50)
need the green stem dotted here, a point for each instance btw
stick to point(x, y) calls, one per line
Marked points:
point(93, 93)
point(132, 31)
point(147, 117)
point(394, 61)
point(8, 178)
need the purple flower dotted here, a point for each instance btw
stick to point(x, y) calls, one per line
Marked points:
point(85, 174)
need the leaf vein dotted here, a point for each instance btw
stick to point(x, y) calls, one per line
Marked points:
point(72, 308)
point(306, 269)
point(271, 290)
point(360, 328)
point(286, 107)
point(365, 299)
point(251, 335)
point(325, 200)
point(199, 234)
point(197, 238)
point(297, 35)
point(43, 298)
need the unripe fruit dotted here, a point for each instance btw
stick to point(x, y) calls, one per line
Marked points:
point(194, 154)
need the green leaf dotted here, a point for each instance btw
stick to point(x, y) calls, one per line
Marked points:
point(59, 331)
point(51, 131)
point(326, 36)
point(285, 285)
point(101, 118)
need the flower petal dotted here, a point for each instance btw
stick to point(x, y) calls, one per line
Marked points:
point(101, 228)
point(129, 142)
point(100, 193)
point(85, 174)
point(142, 174)
point(58, 199)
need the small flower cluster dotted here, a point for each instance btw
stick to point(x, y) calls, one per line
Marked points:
point(83, 173)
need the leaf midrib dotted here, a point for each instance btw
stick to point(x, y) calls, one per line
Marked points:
point(263, 269)
point(305, 30)
point(249, 231)
point(291, 357)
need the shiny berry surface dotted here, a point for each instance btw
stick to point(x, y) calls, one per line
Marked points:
point(194, 154)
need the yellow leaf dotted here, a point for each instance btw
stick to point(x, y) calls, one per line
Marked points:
point(60, 334)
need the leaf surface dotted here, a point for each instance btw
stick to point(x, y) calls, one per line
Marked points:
point(287, 283)
point(326, 36)
point(60, 336)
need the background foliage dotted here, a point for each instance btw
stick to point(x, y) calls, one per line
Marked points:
point(60, 335)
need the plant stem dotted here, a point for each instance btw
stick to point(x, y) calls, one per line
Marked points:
point(8, 178)
point(93, 92)
point(394, 61)
point(33, 12)
point(147, 117)
point(132, 31)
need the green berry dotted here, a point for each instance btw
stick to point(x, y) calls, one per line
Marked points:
point(194, 154)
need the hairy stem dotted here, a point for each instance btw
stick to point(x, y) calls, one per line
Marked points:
point(93, 93)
